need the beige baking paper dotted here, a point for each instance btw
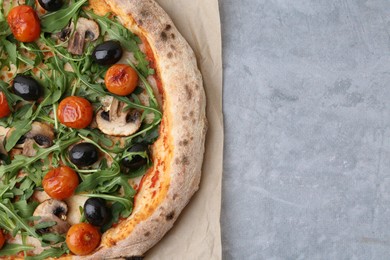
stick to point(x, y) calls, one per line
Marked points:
point(196, 234)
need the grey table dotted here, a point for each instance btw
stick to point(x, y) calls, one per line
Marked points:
point(307, 150)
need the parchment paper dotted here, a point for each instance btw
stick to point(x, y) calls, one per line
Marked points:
point(196, 234)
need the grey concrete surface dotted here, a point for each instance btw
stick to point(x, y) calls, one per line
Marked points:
point(307, 113)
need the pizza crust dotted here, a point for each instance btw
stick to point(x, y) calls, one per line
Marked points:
point(178, 153)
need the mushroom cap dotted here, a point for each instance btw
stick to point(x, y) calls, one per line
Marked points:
point(53, 210)
point(116, 121)
point(86, 29)
point(40, 134)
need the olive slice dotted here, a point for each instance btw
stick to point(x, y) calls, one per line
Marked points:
point(107, 53)
point(27, 88)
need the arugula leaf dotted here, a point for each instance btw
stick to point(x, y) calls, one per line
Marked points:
point(55, 21)
point(25, 209)
point(52, 252)
point(13, 249)
point(20, 129)
point(10, 48)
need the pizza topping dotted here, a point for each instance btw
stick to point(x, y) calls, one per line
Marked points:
point(118, 121)
point(2, 239)
point(27, 88)
point(51, 5)
point(96, 211)
point(83, 154)
point(41, 134)
point(24, 23)
point(60, 183)
point(86, 29)
point(82, 238)
point(75, 112)
point(51, 211)
point(4, 107)
point(137, 156)
point(107, 53)
point(121, 79)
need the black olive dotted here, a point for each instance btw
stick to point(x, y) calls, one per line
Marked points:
point(137, 161)
point(96, 211)
point(51, 5)
point(83, 154)
point(107, 53)
point(27, 88)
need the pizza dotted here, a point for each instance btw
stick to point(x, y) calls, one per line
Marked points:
point(102, 128)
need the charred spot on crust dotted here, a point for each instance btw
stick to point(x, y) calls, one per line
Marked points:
point(147, 234)
point(173, 47)
point(170, 216)
point(191, 114)
point(134, 257)
point(144, 13)
point(173, 35)
point(170, 55)
point(168, 27)
point(175, 196)
point(140, 22)
point(184, 142)
point(164, 36)
point(189, 92)
point(184, 160)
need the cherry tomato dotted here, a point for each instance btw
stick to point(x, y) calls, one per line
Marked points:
point(75, 112)
point(82, 238)
point(2, 239)
point(60, 183)
point(24, 23)
point(4, 107)
point(121, 79)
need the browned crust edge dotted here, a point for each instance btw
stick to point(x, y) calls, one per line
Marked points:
point(184, 122)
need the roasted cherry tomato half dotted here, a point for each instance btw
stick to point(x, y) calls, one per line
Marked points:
point(60, 183)
point(27, 88)
point(82, 238)
point(4, 107)
point(51, 5)
point(121, 79)
point(107, 53)
point(24, 23)
point(96, 211)
point(83, 154)
point(75, 112)
point(2, 239)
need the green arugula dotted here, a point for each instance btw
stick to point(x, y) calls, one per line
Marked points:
point(55, 21)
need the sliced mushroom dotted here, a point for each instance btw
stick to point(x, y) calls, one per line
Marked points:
point(118, 122)
point(52, 210)
point(86, 29)
point(41, 134)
